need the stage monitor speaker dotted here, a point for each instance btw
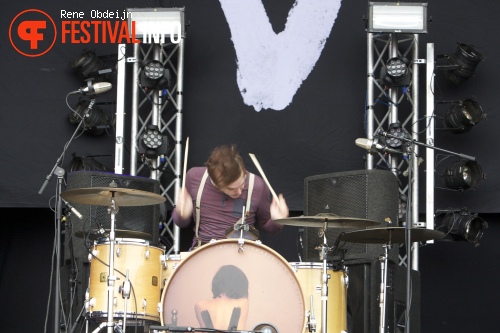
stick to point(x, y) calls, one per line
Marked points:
point(143, 220)
point(364, 194)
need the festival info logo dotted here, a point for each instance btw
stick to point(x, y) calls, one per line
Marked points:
point(32, 33)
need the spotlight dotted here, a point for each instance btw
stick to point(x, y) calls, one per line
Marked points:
point(95, 121)
point(462, 63)
point(88, 64)
point(463, 175)
point(152, 143)
point(395, 135)
point(462, 116)
point(403, 208)
point(154, 76)
point(396, 73)
point(396, 17)
point(461, 225)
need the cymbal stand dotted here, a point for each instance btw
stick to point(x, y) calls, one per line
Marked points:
point(113, 209)
point(383, 285)
point(324, 278)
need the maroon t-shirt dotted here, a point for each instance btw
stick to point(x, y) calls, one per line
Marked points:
point(220, 212)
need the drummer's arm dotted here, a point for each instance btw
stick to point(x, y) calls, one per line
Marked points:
point(269, 210)
point(183, 212)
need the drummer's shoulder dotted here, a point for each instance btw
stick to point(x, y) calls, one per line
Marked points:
point(196, 172)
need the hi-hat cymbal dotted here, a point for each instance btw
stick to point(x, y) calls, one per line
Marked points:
point(101, 196)
point(392, 235)
point(104, 233)
point(328, 220)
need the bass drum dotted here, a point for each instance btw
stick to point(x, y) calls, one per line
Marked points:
point(261, 291)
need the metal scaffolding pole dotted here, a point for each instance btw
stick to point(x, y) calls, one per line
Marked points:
point(158, 107)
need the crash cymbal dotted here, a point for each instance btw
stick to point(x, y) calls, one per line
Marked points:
point(330, 220)
point(101, 196)
point(104, 233)
point(392, 235)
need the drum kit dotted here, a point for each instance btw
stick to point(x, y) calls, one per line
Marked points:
point(155, 288)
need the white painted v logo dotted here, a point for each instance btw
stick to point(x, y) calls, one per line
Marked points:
point(271, 67)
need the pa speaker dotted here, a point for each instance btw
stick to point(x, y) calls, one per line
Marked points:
point(139, 220)
point(363, 194)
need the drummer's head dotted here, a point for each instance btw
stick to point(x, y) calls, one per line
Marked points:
point(226, 170)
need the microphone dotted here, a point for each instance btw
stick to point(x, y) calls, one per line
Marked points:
point(94, 89)
point(73, 209)
point(373, 146)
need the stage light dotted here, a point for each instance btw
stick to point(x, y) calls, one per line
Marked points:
point(396, 17)
point(462, 116)
point(88, 65)
point(462, 64)
point(403, 208)
point(463, 175)
point(396, 135)
point(396, 73)
point(460, 225)
point(154, 76)
point(95, 120)
point(152, 143)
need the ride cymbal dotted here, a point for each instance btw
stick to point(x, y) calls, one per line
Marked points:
point(328, 220)
point(392, 235)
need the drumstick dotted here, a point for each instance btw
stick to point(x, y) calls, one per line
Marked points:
point(185, 163)
point(254, 159)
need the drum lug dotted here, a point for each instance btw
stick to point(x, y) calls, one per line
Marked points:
point(163, 261)
point(159, 307)
point(147, 254)
point(118, 250)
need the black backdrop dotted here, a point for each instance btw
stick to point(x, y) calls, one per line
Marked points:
point(314, 135)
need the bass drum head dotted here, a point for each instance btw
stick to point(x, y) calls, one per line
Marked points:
point(274, 293)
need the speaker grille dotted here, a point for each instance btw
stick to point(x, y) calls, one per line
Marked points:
point(364, 194)
point(143, 219)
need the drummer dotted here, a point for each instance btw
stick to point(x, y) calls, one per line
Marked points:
point(220, 189)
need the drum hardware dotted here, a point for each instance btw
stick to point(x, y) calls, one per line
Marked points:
point(112, 197)
point(388, 237)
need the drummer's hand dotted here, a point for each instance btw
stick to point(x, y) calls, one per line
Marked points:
point(279, 210)
point(184, 204)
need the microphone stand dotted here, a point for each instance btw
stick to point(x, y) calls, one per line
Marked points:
point(59, 172)
point(409, 223)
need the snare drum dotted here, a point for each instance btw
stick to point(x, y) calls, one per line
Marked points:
point(266, 290)
point(143, 264)
point(310, 278)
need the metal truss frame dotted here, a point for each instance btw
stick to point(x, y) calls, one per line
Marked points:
point(160, 108)
point(385, 106)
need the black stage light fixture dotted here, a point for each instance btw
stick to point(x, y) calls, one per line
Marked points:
point(462, 63)
point(462, 116)
point(88, 64)
point(463, 175)
point(154, 76)
point(395, 135)
point(152, 143)
point(396, 73)
point(95, 120)
point(460, 225)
